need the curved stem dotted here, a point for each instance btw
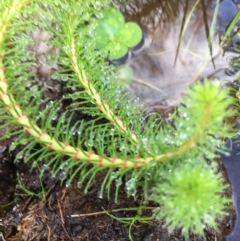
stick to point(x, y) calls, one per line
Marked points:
point(53, 144)
point(93, 93)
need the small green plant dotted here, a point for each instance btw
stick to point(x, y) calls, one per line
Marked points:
point(41, 194)
point(114, 35)
point(115, 136)
point(130, 221)
point(189, 191)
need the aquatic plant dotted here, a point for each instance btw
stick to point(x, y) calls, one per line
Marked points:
point(114, 35)
point(93, 127)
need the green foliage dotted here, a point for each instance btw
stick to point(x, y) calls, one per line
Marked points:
point(94, 127)
point(228, 36)
point(115, 36)
point(189, 197)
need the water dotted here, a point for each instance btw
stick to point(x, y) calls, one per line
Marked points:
point(166, 66)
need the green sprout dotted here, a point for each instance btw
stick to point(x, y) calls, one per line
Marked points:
point(114, 35)
point(130, 220)
point(189, 198)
